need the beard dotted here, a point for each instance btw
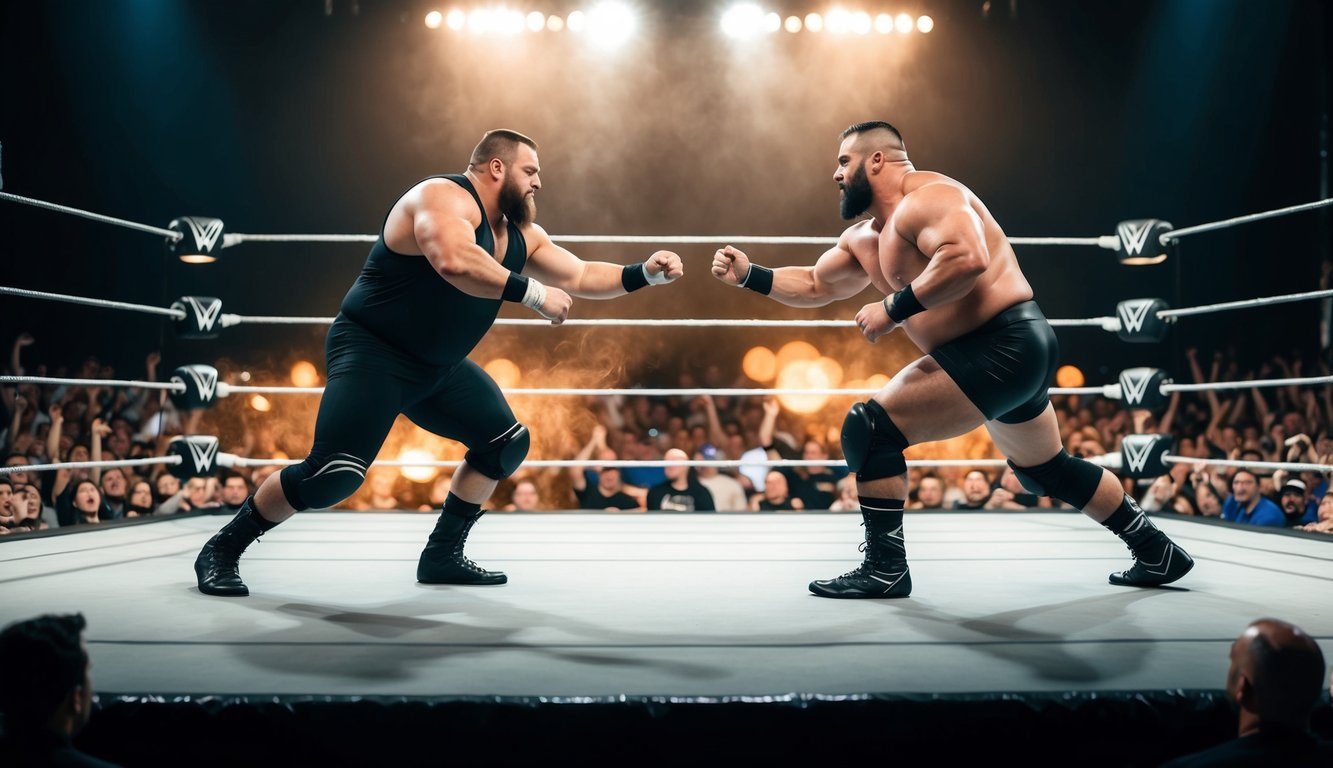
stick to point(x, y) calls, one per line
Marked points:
point(856, 194)
point(518, 207)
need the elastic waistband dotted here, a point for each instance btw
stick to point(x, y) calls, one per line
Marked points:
point(1024, 310)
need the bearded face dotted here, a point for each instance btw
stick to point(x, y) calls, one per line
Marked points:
point(856, 193)
point(516, 203)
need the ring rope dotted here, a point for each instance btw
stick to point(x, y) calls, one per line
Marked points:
point(1176, 234)
point(178, 314)
point(1229, 305)
point(91, 464)
point(1109, 242)
point(167, 385)
point(1290, 466)
point(170, 234)
point(1220, 385)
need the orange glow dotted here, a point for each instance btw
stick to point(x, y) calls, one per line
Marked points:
point(260, 403)
point(1068, 376)
point(418, 474)
point(796, 350)
point(304, 374)
point(760, 364)
point(505, 372)
point(877, 381)
point(804, 374)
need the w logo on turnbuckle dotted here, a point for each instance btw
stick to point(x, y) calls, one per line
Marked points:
point(1134, 384)
point(1133, 312)
point(204, 454)
point(1136, 453)
point(205, 316)
point(206, 231)
point(1134, 234)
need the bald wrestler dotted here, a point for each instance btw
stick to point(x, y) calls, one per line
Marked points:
point(951, 282)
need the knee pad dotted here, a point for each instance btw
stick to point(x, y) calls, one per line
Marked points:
point(500, 457)
point(322, 482)
point(1069, 479)
point(872, 444)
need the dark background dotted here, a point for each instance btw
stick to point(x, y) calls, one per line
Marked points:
point(311, 117)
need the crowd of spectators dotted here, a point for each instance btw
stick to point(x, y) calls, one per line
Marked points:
point(60, 424)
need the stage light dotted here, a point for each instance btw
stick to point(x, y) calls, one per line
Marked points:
point(814, 22)
point(861, 23)
point(434, 19)
point(455, 19)
point(555, 23)
point(576, 21)
point(418, 474)
point(884, 23)
point(480, 21)
point(304, 374)
point(742, 21)
point(611, 23)
point(1068, 376)
point(260, 403)
point(838, 21)
point(760, 364)
point(793, 24)
point(925, 24)
point(772, 22)
point(793, 351)
point(903, 23)
point(536, 21)
point(820, 373)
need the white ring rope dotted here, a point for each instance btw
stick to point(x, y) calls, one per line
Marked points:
point(170, 234)
point(167, 385)
point(1109, 242)
point(1109, 391)
point(1220, 385)
point(91, 464)
point(178, 314)
point(1290, 466)
point(1176, 234)
point(1243, 304)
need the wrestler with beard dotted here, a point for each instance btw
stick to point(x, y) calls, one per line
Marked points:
point(949, 278)
point(451, 249)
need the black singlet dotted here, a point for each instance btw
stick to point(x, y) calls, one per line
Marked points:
point(406, 304)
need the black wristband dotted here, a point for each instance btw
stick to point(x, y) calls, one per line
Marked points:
point(758, 279)
point(633, 278)
point(904, 305)
point(516, 287)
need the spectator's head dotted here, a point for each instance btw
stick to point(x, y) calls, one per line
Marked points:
point(114, 484)
point(1293, 496)
point(813, 450)
point(117, 444)
point(526, 497)
point(930, 491)
point(141, 497)
point(775, 487)
point(167, 485)
point(79, 453)
point(45, 686)
point(706, 452)
point(235, 489)
point(1182, 504)
point(196, 492)
point(1208, 500)
point(1326, 508)
point(87, 498)
point(14, 460)
point(1244, 486)
point(976, 487)
point(677, 473)
point(1276, 674)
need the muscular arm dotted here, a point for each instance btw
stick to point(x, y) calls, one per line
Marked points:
point(444, 220)
point(835, 275)
point(557, 266)
point(939, 219)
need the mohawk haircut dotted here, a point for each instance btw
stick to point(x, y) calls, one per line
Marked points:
point(502, 143)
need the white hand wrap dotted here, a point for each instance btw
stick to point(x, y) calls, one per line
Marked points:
point(535, 296)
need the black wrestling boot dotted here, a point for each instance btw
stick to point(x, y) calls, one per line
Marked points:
point(218, 565)
point(884, 572)
point(1157, 559)
point(443, 561)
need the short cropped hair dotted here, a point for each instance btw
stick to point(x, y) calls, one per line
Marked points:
point(44, 662)
point(874, 125)
point(502, 143)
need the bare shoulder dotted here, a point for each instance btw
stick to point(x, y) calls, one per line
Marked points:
point(927, 188)
point(861, 231)
point(534, 235)
point(443, 197)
